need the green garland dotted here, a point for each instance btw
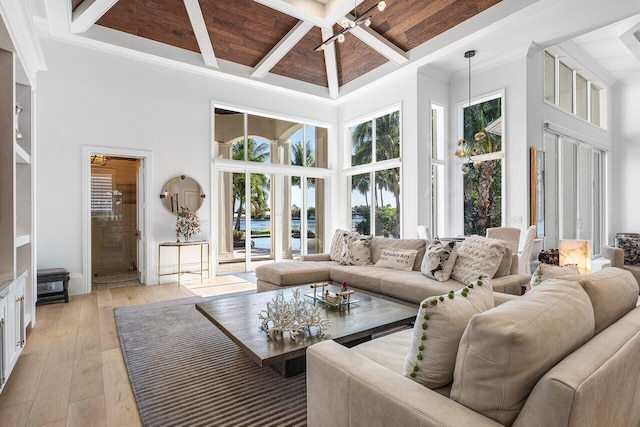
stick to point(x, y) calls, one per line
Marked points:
point(425, 326)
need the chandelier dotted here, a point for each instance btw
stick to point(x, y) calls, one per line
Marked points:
point(348, 24)
point(467, 148)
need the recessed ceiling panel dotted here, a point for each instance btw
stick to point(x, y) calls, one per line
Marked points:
point(356, 58)
point(165, 21)
point(410, 23)
point(75, 3)
point(303, 62)
point(244, 31)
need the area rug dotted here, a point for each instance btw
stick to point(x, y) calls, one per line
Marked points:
point(186, 372)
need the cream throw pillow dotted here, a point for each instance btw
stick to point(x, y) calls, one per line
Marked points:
point(398, 259)
point(549, 271)
point(336, 244)
point(478, 255)
point(356, 249)
point(439, 259)
point(439, 326)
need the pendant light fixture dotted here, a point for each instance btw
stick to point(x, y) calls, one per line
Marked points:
point(348, 24)
point(466, 148)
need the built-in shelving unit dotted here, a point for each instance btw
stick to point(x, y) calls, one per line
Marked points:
point(17, 202)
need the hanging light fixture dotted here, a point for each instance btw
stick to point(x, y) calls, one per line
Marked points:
point(466, 148)
point(348, 24)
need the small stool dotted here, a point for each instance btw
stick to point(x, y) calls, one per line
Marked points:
point(51, 275)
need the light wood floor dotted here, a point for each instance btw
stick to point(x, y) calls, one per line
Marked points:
point(71, 371)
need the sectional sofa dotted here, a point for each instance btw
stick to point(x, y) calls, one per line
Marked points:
point(564, 354)
point(409, 286)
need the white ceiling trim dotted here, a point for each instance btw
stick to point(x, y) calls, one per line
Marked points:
point(88, 13)
point(331, 64)
point(24, 37)
point(630, 39)
point(323, 16)
point(380, 44)
point(281, 49)
point(202, 34)
point(58, 16)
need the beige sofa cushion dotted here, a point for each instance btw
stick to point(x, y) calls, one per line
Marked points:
point(437, 330)
point(550, 271)
point(504, 269)
point(597, 385)
point(613, 293)
point(365, 277)
point(505, 351)
point(413, 286)
point(293, 273)
point(478, 255)
point(380, 243)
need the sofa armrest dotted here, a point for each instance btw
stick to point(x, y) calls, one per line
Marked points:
point(315, 257)
point(345, 388)
point(615, 255)
point(511, 284)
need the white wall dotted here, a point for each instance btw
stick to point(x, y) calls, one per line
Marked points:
point(625, 164)
point(93, 98)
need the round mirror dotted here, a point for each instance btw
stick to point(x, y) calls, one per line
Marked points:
point(181, 192)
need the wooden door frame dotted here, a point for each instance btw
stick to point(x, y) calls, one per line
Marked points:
point(87, 152)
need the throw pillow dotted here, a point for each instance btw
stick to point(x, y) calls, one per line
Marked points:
point(439, 260)
point(630, 244)
point(398, 259)
point(440, 323)
point(356, 249)
point(477, 256)
point(336, 244)
point(548, 271)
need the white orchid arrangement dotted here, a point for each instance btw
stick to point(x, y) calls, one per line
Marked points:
point(187, 223)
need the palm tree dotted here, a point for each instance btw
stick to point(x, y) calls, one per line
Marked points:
point(256, 152)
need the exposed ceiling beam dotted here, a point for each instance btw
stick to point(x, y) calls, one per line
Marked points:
point(88, 13)
point(58, 16)
point(331, 64)
point(202, 34)
point(280, 50)
point(380, 44)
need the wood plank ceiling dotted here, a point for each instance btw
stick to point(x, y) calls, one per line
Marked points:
point(244, 31)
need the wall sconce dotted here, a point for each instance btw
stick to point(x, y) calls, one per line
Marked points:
point(576, 252)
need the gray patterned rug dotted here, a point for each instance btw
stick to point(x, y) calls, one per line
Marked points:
point(186, 372)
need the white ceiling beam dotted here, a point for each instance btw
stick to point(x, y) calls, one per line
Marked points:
point(331, 64)
point(58, 16)
point(202, 34)
point(380, 44)
point(321, 15)
point(282, 48)
point(88, 13)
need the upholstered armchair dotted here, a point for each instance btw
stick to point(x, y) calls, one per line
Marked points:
point(626, 253)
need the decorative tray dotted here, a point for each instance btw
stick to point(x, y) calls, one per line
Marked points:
point(340, 303)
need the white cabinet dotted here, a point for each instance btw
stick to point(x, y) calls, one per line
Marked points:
point(12, 326)
point(16, 331)
point(4, 374)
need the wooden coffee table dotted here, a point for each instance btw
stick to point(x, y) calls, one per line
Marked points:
point(238, 318)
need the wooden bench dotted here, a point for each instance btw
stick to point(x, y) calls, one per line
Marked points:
point(52, 275)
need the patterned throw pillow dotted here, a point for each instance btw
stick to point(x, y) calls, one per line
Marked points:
point(356, 249)
point(439, 326)
point(336, 244)
point(439, 260)
point(630, 244)
point(478, 255)
point(549, 271)
point(398, 259)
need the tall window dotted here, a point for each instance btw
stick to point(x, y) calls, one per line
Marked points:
point(374, 175)
point(482, 165)
point(437, 171)
point(572, 92)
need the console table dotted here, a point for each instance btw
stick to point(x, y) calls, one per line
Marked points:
point(179, 246)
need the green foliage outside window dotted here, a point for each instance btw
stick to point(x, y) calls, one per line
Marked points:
point(483, 182)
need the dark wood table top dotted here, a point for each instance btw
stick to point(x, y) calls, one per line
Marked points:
point(237, 317)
